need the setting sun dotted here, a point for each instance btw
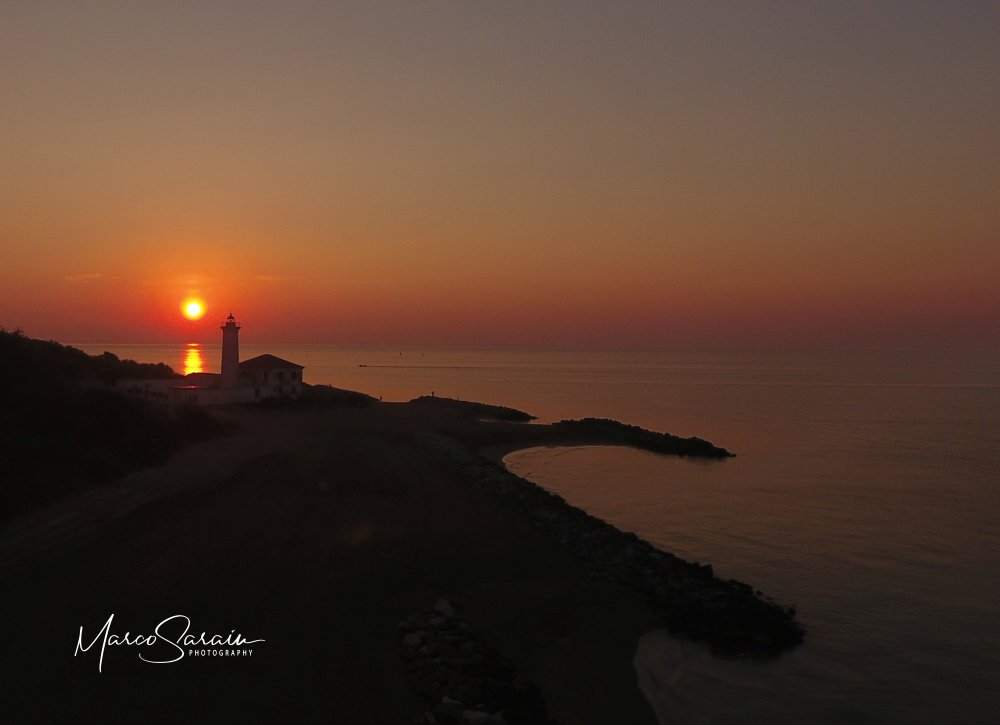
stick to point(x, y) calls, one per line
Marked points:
point(193, 310)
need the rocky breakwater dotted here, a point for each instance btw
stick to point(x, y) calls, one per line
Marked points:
point(458, 678)
point(612, 431)
point(729, 616)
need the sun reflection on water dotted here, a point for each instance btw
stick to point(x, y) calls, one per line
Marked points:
point(193, 362)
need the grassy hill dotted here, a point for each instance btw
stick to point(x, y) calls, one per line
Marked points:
point(65, 426)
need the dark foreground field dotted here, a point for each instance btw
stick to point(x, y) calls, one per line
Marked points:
point(317, 530)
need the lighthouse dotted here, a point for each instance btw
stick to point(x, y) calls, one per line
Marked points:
point(230, 353)
point(257, 379)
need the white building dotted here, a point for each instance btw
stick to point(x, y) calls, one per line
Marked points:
point(272, 377)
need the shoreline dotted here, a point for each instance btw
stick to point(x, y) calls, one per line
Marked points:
point(730, 616)
point(496, 453)
point(320, 529)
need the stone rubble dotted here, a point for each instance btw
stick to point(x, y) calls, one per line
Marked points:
point(458, 679)
point(729, 616)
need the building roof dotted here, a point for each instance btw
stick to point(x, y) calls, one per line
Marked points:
point(268, 362)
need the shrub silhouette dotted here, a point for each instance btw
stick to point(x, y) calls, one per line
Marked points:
point(64, 426)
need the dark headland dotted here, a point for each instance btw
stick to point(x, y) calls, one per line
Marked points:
point(394, 568)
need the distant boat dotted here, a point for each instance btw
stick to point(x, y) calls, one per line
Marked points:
point(362, 365)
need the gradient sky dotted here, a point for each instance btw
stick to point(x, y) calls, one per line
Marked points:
point(564, 173)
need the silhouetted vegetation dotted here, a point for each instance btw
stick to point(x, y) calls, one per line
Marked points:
point(478, 410)
point(317, 396)
point(64, 427)
point(24, 356)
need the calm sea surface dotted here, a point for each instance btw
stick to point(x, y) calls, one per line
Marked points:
point(866, 492)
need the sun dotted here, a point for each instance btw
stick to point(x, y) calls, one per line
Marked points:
point(193, 309)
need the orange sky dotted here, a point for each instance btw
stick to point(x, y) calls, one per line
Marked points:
point(781, 173)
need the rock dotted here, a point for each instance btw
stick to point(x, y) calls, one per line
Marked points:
point(413, 639)
point(475, 717)
point(469, 693)
point(444, 608)
point(460, 678)
point(449, 710)
point(432, 691)
point(408, 623)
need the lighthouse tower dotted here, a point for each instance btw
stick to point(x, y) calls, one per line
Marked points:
point(230, 353)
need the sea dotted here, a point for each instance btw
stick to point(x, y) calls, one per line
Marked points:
point(865, 492)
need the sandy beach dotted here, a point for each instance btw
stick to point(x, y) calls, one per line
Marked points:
point(317, 530)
